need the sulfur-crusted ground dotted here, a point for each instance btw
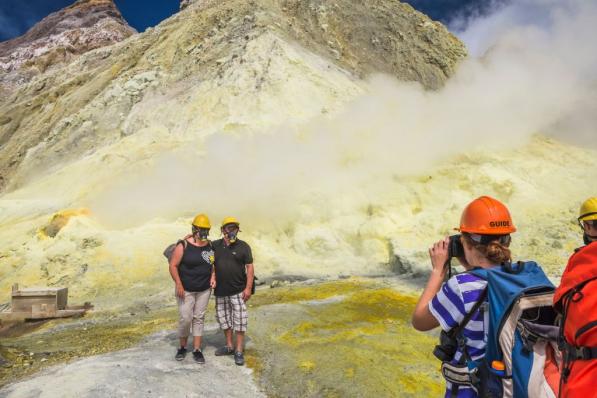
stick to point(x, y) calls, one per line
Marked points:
point(31, 347)
point(342, 338)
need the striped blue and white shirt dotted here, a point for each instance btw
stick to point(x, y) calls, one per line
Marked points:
point(455, 299)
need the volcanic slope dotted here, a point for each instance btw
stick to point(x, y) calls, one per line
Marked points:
point(106, 158)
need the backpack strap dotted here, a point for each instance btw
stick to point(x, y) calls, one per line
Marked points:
point(573, 353)
point(582, 353)
point(461, 340)
point(507, 266)
point(458, 329)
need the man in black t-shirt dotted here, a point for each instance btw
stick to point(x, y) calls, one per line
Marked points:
point(234, 282)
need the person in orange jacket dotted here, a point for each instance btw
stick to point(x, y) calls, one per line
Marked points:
point(576, 300)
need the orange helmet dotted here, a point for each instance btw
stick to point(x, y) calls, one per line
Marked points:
point(486, 216)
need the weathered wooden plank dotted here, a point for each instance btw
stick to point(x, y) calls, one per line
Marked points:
point(43, 310)
point(25, 303)
point(14, 316)
point(61, 298)
point(21, 316)
point(58, 314)
point(86, 306)
point(40, 291)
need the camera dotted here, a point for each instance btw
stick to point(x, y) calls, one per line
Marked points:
point(455, 248)
point(446, 349)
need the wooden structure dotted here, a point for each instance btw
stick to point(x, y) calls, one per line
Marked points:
point(41, 303)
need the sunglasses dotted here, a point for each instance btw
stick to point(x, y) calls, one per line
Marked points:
point(232, 227)
point(590, 223)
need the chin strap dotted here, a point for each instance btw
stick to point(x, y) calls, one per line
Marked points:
point(588, 238)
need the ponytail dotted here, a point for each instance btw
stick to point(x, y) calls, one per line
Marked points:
point(498, 253)
point(496, 250)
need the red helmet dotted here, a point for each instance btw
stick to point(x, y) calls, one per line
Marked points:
point(486, 216)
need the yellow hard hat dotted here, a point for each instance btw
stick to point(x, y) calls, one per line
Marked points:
point(230, 220)
point(201, 221)
point(588, 210)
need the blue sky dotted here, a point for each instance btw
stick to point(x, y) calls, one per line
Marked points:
point(17, 16)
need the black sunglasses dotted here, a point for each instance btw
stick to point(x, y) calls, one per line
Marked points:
point(230, 227)
point(590, 223)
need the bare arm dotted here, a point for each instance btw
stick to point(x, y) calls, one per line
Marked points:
point(212, 280)
point(422, 318)
point(250, 276)
point(174, 263)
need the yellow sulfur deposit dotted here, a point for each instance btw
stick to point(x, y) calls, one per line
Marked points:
point(357, 343)
point(59, 220)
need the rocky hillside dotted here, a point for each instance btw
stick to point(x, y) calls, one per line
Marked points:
point(243, 48)
point(58, 39)
point(270, 111)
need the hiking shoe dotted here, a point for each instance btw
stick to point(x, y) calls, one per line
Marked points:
point(239, 358)
point(224, 351)
point(181, 354)
point(198, 356)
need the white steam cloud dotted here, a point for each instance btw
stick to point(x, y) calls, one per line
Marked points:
point(533, 70)
point(555, 35)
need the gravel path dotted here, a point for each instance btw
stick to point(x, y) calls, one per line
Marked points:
point(147, 370)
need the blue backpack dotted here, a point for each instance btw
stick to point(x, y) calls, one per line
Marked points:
point(521, 336)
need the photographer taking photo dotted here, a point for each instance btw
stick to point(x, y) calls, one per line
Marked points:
point(485, 228)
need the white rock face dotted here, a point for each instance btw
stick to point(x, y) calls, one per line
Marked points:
point(96, 35)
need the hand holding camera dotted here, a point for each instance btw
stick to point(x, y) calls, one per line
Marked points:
point(439, 255)
point(444, 250)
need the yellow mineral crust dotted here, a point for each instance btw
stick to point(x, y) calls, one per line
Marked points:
point(355, 343)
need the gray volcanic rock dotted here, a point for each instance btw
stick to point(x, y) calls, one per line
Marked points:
point(144, 371)
point(184, 3)
point(59, 37)
point(376, 36)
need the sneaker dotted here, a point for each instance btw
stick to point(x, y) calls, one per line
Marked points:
point(224, 351)
point(198, 356)
point(239, 358)
point(181, 354)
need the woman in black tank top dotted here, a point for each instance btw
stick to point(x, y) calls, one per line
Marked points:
point(192, 269)
point(196, 266)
